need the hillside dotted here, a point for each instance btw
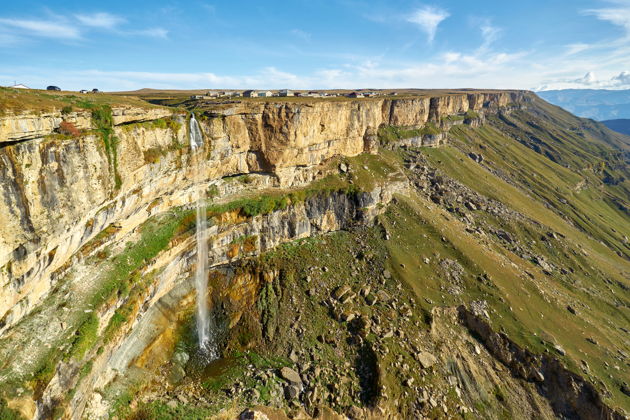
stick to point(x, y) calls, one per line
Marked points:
point(449, 254)
point(621, 126)
point(597, 104)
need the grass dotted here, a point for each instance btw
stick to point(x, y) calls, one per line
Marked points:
point(14, 101)
point(391, 134)
point(7, 413)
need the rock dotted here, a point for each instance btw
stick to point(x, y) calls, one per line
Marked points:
point(426, 359)
point(371, 299)
point(182, 399)
point(343, 167)
point(571, 309)
point(249, 414)
point(176, 374)
point(538, 376)
point(172, 404)
point(427, 261)
point(559, 349)
point(591, 340)
point(387, 274)
point(291, 392)
point(290, 375)
point(341, 290)
point(383, 296)
point(181, 358)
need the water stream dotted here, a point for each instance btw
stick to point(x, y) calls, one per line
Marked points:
point(205, 328)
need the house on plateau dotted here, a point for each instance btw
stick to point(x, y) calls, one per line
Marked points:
point(285, 92)
point(265, 94)
point(19, 86)
point(250, 94)
point(355, 95)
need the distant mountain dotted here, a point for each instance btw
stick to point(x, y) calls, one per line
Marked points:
point(621, 126)
point(598, 104)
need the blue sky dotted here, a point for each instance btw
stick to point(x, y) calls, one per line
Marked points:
point(310, 44)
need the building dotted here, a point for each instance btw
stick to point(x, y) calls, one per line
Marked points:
point(19, 86)
point(355, 95)
point(83, 91)
point(265, 94)
point(285, 92)
point(250, 94)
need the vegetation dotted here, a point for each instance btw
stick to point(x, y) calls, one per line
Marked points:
point(7, 413)
point(390, 134)
point(66, 128)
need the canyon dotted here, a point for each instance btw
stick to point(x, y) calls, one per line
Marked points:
point(98, 255)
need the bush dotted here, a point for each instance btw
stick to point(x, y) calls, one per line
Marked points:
point(68, 129)
point(66, 109)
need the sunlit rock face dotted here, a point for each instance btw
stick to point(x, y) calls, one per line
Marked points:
point(84, 187)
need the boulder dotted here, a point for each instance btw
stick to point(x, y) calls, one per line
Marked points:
point(426, 359)
point(290, 375)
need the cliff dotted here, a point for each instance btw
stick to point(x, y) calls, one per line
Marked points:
point(335, 247)
point(84, 184)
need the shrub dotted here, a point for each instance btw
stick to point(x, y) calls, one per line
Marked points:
point(66, 109)
point(68, 129)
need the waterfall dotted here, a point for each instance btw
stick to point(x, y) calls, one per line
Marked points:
point(204, 327)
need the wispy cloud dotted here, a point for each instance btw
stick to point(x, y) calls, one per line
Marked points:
point(298, 33)
point(618, 14)
point(151, 32)
point(489, 33)
point(428, 18)
point(43, 28)
point(577, 48)
point(100, 20)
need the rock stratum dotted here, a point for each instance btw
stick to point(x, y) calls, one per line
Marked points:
point(97, 254)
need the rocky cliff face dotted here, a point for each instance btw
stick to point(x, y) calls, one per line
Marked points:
point(74, 182)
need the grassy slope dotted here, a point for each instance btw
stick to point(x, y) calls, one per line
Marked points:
point(15, 101)
point(594, 228)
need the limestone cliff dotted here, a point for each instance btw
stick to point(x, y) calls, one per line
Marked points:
point(73, 180)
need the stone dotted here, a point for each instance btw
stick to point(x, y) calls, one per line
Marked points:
point(291, 392)
point(341, 291)
point(426, 359)
point(181, 358)
point(571, 309)
point(176, 374)
point(387, 274)
point(249, 414)
point(172, 404)
point(560, 350)
point(343, 167)
point(383, 296)
point(290, 375)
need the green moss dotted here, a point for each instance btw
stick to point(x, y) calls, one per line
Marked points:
point(103, 121)
point(85, 336)
point(471, 115)
point(390, 134)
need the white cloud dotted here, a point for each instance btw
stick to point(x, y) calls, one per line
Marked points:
point(428, 18)
point(301, 34)
point(151, 32)
point(576, 48)
point(43, 28)
point(489, 33)
point(590, 81)
point(100, 20)
point(622, 79)
point(618, 15)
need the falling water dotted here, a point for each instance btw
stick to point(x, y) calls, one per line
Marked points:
point(206, 342)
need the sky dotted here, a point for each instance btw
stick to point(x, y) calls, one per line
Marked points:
point(315, 44)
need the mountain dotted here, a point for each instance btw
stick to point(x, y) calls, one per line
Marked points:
point(436, 254)
point(621, 126)
point(597, 104)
